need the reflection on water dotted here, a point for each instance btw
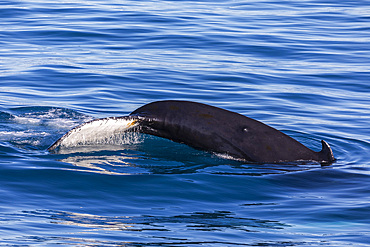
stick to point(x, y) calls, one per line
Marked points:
point(111, 159)
point(120, 161)
point(179, 228)
point(204, 221)
point(211, 228)
point(113, 164)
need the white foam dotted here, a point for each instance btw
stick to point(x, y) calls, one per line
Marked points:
point(56, 118)
point(111, 131)
point(27, 120)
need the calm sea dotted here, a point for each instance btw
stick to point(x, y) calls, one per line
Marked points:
point(302, 67)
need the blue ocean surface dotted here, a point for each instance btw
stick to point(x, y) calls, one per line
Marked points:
point(302, 67)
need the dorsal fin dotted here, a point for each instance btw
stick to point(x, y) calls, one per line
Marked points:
point(326, 154)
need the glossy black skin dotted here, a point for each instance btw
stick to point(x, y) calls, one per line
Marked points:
point(214, 129)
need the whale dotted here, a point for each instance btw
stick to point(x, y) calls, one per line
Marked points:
point(204, 127)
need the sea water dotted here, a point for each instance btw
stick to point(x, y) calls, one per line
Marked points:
point(302, 67)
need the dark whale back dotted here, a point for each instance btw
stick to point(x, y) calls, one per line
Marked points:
point(222, 131)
